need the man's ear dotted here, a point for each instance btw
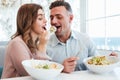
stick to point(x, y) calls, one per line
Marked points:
point(71, 17)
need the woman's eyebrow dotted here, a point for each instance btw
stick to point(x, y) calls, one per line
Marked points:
point(41, 14)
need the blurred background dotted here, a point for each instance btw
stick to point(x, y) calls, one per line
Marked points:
point(100, 19)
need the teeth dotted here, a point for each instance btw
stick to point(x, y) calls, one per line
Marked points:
point(52, 29)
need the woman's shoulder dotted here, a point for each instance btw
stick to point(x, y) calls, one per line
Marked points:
point(13, 44)
point(16, 41)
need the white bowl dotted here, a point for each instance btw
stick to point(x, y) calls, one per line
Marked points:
point(117, 72)
point(42, 73)
point(102, 68)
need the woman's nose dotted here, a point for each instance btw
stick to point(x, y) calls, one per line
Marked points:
point(45, 20)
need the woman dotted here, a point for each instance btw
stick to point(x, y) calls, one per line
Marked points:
point(28, 42)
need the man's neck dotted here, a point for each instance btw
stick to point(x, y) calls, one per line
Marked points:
point(64, 38)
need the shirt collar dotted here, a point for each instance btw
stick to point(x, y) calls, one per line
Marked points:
point(73, 35)
point(55, 40)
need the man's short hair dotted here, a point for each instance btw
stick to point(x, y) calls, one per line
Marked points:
point(61, 3)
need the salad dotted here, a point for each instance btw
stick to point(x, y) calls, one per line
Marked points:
point(46, 66)
point(52, 29)
point(99, 60)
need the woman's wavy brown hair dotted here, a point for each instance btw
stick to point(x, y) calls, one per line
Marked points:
point(26, 16)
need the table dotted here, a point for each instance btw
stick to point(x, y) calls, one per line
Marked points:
point(77, 75)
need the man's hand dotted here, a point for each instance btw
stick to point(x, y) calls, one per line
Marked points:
point(114, 54)
point(70, 64)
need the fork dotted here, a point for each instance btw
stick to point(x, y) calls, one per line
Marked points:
point(77, 54)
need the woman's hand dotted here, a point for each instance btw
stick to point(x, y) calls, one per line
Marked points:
point(43, 38)
point(42, 56)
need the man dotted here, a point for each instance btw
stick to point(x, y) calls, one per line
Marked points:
point(66, 46)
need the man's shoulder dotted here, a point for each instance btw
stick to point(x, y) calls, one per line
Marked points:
point(80, 35)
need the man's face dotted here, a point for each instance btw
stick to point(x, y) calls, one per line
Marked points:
point(61, 19)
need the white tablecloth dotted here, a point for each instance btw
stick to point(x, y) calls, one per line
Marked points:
point(79, 75)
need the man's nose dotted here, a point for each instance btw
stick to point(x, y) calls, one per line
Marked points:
point(54, 20)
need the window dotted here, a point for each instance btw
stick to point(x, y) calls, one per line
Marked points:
point(103, 21)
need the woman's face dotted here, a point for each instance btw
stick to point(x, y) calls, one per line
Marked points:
point(39, 26)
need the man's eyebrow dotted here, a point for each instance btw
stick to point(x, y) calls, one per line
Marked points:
point(55, 15)
point(50, 15)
